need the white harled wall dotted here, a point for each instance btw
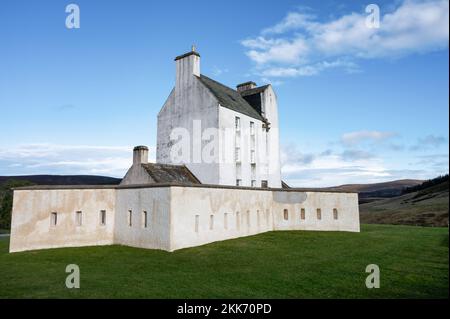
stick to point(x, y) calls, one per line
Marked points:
point(154, 201)
point(177, 216)
point(243, 212)
point(31, 226)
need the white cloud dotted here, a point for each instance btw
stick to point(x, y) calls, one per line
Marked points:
point(309, 70)
point(216, 71)
point(66, 159)
point(354, 138)
point(292, 21)
point(298, 44)
point(332, 168)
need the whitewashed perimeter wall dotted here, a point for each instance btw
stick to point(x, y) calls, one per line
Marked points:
point(204, 215)
point(154, 201)
point(31, 226)
point(177, 217)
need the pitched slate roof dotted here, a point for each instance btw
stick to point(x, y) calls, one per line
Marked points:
point(255, 90)
point(165, 173)
point(230, 98)
point(284, 185)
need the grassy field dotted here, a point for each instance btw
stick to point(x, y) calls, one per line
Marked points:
point(293, 264)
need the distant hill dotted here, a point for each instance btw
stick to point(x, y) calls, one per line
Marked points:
point(63, 179)
point(376, 191)
point(427, 206)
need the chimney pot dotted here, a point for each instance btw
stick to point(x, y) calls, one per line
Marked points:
point(140, 155)
point(245, 86)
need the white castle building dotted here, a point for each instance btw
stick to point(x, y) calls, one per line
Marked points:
point(217, 177)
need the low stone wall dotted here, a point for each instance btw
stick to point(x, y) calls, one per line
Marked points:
point(170, 217)
point(33, 225)
point(149, 226)
point(204, 215)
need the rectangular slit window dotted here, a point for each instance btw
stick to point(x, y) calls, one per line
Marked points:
point(285, 214)
point(238, 221)
point(144, 219)
point(237, 123)
point(319, 214)
point(79, 218)
point(335, 213)
point(130, 218)
point(248, 218)
point(103, 217)
point(258, 219)
point(302, 214)
point(211, 222)
point(53, 219)
point(197, 218)
point(225, 220)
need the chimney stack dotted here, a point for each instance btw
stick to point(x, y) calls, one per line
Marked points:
point(140, 155)
point(245, 86)
point(187, 66)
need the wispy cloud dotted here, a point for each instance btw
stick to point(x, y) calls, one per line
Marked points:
point(358, 137)
point(354, 155)
point(428, 142)
point(47, 158)
point(301, 45)
point(330, 168)
point(216, 71)
point(359, 158)
point(65, 107)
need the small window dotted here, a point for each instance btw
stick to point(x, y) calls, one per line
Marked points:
point(237, 123)
point(264, 184)
point(248, 218)
point(252, 128)
point(53, 219)
point(225, 220)
point(238, 182)
point(252, 157)
point(253, 183)
point(258, 219)
point(335, 213)
point(79, 218)
point(197, 219)
point(285, 214)
point(144, 219)
point(211, 222)
point(319, 214)
point(103, 217)
point(237, 154)
point(302, 214)
point(130, 218)
point(238, 221)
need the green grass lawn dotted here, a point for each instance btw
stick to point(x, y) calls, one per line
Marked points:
point(292, 264)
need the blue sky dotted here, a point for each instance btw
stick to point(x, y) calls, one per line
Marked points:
point(357, 105)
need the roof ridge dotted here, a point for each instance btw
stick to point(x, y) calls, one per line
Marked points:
point(229, 98)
